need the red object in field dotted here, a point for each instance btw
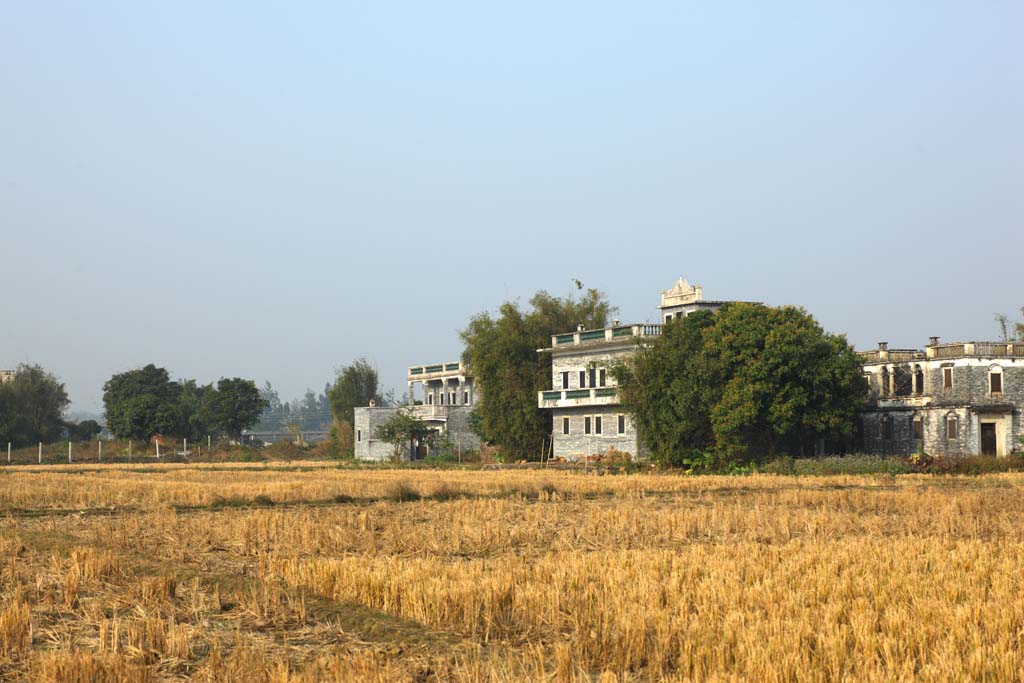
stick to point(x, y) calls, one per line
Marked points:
point(157, 439)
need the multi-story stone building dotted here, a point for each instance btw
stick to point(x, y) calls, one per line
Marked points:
point(955, 399)
point(448, 396)
point(6, 376)
point(587, 414)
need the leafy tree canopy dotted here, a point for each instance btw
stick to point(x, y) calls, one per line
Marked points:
point(234, 406)
point(502, 354)
point(32, 407)
point(356, 385)
point(743, 384)
point(143, 402)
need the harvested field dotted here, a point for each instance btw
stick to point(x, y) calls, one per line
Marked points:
point(305, 572)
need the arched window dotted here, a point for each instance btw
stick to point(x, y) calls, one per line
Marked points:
point(918, 380)
point(995, 380)
point(951, 426)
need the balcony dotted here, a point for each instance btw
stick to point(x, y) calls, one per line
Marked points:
point(977, 349)
point(421, 373)
point(608, 334)
point(430, 412)
point(568, 398)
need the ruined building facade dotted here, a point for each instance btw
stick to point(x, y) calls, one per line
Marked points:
point(958, 399)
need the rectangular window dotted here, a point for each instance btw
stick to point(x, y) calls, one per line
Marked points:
point(947, 378)
point(586, 425)
point(465, 398)
point(622, 424)
point(602, 377)
point(996, 382)
point(583, 379)
point(359, 435)
point(430, 399)
point(565, 380)
point(597, 424)
point(950, 427)
point(565, 425)
point(452, 400)
point(593, 377)
point(886, 427)
point(918, 428)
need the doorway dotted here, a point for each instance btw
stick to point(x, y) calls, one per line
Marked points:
point(988, 438)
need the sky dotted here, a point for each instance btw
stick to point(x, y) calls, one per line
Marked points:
point(270, 190)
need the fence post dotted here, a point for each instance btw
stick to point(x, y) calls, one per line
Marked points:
point(158, 449)
point(40, 452)
point(8, 452)
point(208, 449)
point(186, 448)
point(100, 456)
point(69, 451)
point(129, 450)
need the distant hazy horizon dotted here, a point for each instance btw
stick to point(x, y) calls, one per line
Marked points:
point(271, 191)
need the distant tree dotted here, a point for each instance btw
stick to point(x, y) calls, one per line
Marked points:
point(356, 385)
point(32, 406)
point(84, 430)
point(234, 406)
point(399, 430)
point(744, 384)
point(1011, 331)
point(143, 402)
point(502, 354)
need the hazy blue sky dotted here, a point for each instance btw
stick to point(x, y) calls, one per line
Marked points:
point(270, 190)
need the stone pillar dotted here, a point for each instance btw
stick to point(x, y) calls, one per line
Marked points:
point(892, 381)
point(412, 395)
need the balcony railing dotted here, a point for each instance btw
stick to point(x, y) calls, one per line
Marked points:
point(607, 334)
point(982, 349)
point(577, 397)
point(420, 372)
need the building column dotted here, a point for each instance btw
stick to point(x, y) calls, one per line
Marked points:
point(892, 381)
point(412, 395)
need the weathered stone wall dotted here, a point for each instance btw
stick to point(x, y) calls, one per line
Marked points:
point(458, 429)
point(577, 443)
point(367, 446)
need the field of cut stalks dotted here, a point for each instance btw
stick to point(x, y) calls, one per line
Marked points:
point(308, 572)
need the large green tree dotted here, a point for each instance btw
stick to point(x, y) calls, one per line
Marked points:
point(234, 406)
point(745, 384)
point(502, 354)
point(356, 385)
point(32, 407)
point(142, 402)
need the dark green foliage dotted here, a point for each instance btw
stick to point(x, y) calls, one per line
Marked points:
point(357, 384)
point(32, 407)
point(84, 430)
point(235, 405)
point(141, 403)
point(745, 384)
point(508, 371)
